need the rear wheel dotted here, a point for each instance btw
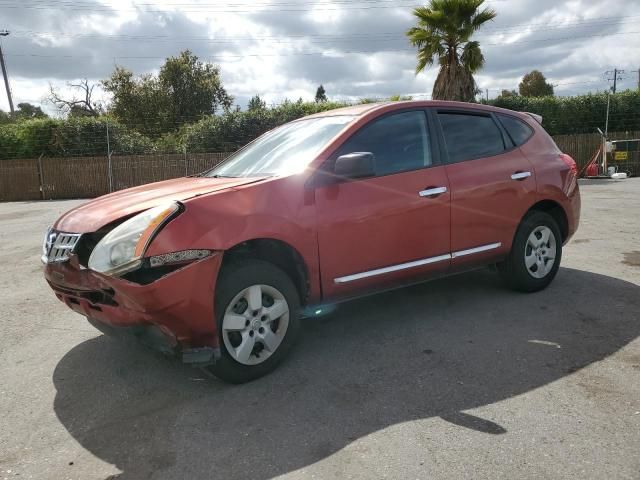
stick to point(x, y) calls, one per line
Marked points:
point(535, 255)
point(257, 309)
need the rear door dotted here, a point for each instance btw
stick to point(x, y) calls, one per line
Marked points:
point(492, 185)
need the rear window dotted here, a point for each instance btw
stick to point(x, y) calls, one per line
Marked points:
point(469, 136)
point(518, 131)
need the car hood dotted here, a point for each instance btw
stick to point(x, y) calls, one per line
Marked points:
point(93, 215)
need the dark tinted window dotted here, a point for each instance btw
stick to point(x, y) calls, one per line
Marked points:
point(519, 131)
point(399, 142)
point(470, 136)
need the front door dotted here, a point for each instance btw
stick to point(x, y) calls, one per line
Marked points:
point(391, 228)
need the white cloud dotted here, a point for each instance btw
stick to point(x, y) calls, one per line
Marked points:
point(286, 51)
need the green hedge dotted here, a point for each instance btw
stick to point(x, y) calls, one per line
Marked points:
point(580, 114)
point(231, 130)
point(84, 136)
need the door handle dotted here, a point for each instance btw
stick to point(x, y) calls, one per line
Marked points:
point(520, 175)
point(432, 191)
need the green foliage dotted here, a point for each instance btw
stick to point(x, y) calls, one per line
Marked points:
point(184, 91)
point(321, 95)
point(256, 103)
point(400, 98)
point(86, 136)
point(443, 34)
point(25, 111)
point(75, 136)
point(534, 84)
point(232, 130)
point(508, 93)
point(580, 114)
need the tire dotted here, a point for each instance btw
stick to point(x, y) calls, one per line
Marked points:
point(254, 333)
point(528, 268)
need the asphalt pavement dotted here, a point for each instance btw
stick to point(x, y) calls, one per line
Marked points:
point(457, 378)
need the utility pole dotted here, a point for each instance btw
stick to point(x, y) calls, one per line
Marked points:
point(617, 75)
point(4, 33)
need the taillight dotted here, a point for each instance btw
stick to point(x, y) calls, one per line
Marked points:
point(570, 162)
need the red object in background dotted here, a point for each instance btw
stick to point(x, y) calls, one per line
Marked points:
point(347, 237)
point(592, 170)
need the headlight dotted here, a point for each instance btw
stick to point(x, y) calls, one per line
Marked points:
point(121, 250)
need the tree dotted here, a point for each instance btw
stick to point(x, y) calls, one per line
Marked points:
point(184, 91)
point(443, 34)
point(508, 93)
point(256, 103)
point(534, 84)
point(81, 103)
point(25, 111)
point(194, 87)
point(321, 95)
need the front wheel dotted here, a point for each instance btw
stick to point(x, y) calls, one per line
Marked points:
point(257, 309)
point(535, 255)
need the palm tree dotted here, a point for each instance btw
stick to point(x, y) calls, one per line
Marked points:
point(444, 34)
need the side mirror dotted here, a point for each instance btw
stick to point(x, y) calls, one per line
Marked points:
point(355, 165)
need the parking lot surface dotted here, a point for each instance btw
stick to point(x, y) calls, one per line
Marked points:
point(457, 378)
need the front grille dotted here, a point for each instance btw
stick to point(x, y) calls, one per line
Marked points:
point(58, 246)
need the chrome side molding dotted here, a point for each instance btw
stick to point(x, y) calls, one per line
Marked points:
point(393, 268)
point(471, 251)
point(417, 263)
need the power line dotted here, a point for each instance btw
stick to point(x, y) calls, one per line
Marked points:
point(323, 53)
point(220, 7)
point(364, 35)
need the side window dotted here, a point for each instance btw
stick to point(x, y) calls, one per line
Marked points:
point(470, 136)
point(399, 142)
point(519, 131)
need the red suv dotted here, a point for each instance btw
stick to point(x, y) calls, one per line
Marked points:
point(219, 268)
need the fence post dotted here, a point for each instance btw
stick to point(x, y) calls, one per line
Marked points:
point(186, 167)
point(41, 176)
point(110, 171)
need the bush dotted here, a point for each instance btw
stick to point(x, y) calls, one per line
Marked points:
point(580, 114)
point(232, 130)
point(75, 136)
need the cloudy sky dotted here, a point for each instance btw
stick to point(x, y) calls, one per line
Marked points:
point(286, 48)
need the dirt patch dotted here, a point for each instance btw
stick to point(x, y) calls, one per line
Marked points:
point(582, 240)
point(632, 258)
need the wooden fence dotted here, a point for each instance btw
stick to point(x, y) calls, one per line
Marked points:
point(582, 147)
point(87, 177)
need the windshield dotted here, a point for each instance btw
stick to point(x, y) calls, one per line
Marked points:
point(287, 149)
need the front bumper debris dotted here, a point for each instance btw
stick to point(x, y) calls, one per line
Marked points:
point(173, 314)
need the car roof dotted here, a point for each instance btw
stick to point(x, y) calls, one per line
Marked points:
point(360, 110)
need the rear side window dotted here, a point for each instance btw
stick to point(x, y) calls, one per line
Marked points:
point(468, 136)
point(519, 131)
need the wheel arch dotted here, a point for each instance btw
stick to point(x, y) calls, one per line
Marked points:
point(556, 211)
point(277, 252)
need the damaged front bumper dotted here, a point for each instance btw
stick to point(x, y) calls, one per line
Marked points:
point(173, 314)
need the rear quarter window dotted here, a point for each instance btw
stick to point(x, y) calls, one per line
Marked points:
point(518, 130)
